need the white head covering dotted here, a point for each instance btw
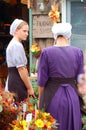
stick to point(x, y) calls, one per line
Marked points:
point(62, 29)
point(14, 25)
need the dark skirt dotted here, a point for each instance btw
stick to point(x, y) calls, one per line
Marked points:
point(16, 85)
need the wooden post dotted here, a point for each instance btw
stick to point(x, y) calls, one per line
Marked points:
point(30, 33)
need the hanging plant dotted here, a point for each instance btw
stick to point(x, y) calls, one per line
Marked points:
point(35, 49)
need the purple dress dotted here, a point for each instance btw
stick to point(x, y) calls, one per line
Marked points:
point(62, 62)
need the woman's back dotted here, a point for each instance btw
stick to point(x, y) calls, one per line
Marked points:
point(63, 62)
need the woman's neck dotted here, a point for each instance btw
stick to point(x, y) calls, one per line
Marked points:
point(61, 41)
point(16, 38)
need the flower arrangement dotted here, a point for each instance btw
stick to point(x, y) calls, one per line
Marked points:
point(54, 14)
point(8, 109)
point(34, 119)
point(35, 49)
point(42, 121)
point(23, 115)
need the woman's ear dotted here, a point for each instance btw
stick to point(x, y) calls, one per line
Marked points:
point(16, 30)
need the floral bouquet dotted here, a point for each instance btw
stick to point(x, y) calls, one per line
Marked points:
point(33, 119)
point(35, 49)
point(8, 109)
point(42, 121)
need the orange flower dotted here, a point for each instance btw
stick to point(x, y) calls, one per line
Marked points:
point(54, 14)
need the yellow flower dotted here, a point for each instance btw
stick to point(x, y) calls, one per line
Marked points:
point(32, 49)
point(39, 123)
point(48, 124)
point(23, 123)
point(35, 48)
point(16, 128)
point(46, 114)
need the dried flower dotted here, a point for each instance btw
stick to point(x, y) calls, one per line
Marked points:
point(54, 14)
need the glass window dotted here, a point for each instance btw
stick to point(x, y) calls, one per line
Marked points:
point(78, 21)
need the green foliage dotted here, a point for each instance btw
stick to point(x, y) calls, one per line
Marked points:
point(84, 122)
point(35, 86)
point(84, 118)
point(33, 101)
point(36, 90)
point(84, 127)
point(33, 68)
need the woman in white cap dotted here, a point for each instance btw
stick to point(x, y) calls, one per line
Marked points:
point(18, 77)
point(58, 69)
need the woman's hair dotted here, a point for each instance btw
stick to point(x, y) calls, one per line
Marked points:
point(60, 36)
point(22, 24)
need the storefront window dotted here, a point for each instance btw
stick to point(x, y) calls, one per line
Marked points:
point(78, 21)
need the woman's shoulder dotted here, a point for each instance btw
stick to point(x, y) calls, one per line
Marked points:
point(77, 49)
point(14, 45)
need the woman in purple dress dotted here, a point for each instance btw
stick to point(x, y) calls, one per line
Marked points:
point(58, 69)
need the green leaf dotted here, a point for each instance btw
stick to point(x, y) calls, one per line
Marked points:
point(1, 108)
point(84, 118)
